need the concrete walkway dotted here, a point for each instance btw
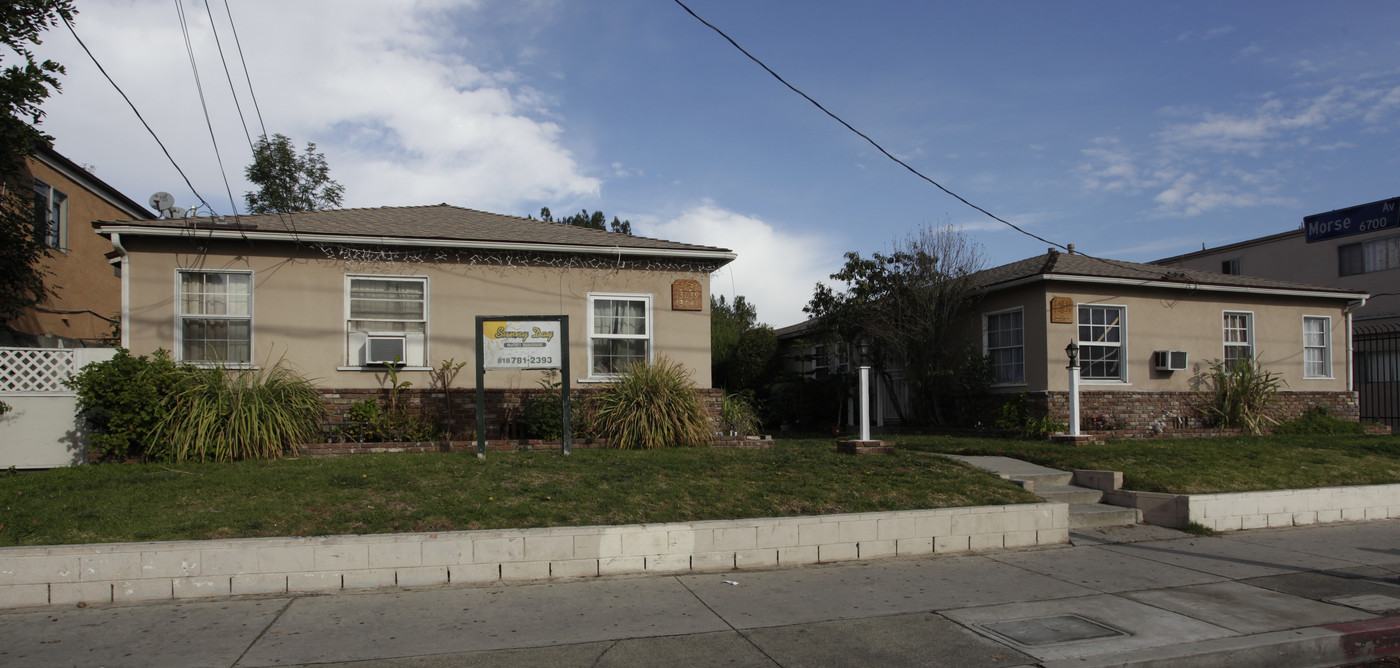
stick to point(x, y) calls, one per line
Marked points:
point(1315, 596)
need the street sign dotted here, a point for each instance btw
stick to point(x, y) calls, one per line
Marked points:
point(1373, 217)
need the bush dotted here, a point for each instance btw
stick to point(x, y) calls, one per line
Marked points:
point(120, 400)
point(543, 412)
point(651, 405)
point(739, 413)
point(1015, 415)
point(1239, 395)
point(227, 414)
point(1317, 420)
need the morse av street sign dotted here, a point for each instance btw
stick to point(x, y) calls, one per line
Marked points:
point(521, 342)
point(1360, 219)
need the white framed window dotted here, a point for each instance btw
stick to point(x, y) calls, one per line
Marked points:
point(821, 361)
point(619, 332)
point(1239, 337)
point(1317, 346)
point(1101, 342)
point(50, 215)
point(215, 317)
point(1004, 340)
point(386, 319)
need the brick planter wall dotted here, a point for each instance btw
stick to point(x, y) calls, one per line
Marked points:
point(504, 430)
point(1133, 413)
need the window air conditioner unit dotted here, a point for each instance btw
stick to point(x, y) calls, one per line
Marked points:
point(1169, 360)
point(386, 349)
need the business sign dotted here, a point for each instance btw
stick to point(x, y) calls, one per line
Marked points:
point(1373, 217)
point(521, 344)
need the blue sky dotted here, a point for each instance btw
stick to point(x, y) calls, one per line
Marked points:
point(1133, 130)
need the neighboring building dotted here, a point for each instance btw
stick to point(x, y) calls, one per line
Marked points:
point(1127, 320)
point(316, 288)
point(87, 298)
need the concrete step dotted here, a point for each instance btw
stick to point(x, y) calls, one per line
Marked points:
point(1083, 516)
point(1071, 494)
point(1015, 469)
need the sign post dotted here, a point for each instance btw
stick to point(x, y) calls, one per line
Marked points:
point(521, 342)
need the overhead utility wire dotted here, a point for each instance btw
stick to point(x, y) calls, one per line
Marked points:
point(239, 44)
point(139, 117)
point(189, 48)
point(228, 75)
point(862, 134)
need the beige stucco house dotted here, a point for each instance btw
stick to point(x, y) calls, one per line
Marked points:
point(330, 291)
point(1145, 333)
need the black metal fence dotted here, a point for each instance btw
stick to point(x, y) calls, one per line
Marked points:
point(1376, 365)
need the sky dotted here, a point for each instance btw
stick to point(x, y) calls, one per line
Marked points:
point(1134, 130)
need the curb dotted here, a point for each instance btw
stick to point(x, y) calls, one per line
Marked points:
point(1317, 646)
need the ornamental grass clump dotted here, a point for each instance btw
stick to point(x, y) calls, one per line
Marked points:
point(1240, 394)
point(651, 405)
point(221, 414)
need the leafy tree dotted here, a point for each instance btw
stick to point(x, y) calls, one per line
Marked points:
point(595, 220)
point(289, 182)
point(908, 305)
point(23, 88)
point(743, 351)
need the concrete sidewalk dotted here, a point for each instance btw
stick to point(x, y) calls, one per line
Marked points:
point(1315, 596)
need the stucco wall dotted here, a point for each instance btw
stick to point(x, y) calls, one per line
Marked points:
point(299, 308)
point(1162, 319)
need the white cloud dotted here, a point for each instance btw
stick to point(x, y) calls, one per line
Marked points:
point(401, 118)
point(1208, 34)
point(775, 271)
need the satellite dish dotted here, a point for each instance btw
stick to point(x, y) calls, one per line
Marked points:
point(162, 201)
point(177, 212)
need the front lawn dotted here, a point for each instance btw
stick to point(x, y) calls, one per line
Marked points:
point(1203, 465)
point(388, 493)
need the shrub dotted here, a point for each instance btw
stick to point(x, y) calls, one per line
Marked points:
point(543, 412)
point(1317, 420)
point(1239, 395)
point(739, 413)
point(5, 408)
point(651, 405)
point(120, 400)
point(1015, 415)
point(227, 414)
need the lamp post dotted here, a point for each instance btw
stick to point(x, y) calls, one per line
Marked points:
point(1073, 351)
point(864, 347)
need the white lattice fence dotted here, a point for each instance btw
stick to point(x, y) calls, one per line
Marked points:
point(35, 370)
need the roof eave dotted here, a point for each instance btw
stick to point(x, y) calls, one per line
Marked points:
point(263, 235)
point(1203, 287)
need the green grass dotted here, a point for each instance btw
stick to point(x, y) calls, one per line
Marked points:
point(1204, 465)
point(389, 493)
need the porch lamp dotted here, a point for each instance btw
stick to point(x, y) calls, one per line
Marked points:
point(863, 346)
point(1072, 350)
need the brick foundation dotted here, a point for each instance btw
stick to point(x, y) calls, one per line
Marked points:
point(504, 430)
point(1172, 414)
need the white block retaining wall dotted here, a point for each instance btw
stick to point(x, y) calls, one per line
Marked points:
point(144, 571)
point(1250, 510)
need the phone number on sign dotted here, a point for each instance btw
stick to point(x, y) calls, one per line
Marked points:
point(523, 360)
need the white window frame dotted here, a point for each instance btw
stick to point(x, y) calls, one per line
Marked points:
point(1121, 345)
point(987, 349)
point(181, 317)
point(55, 216)
point(352, 362)
point(647, 337)
point(1325, 347)
point(1225, 334)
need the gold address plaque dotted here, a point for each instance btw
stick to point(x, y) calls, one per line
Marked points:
point(687, 295)
point(1062, 310)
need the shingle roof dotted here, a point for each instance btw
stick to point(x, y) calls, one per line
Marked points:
point(440, 222)
point(1057, 264)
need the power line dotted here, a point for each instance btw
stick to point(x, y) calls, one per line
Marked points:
point(189, 49)
point(862, 135)
point(139, 117)
point(227, 75)
point(239, 44)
